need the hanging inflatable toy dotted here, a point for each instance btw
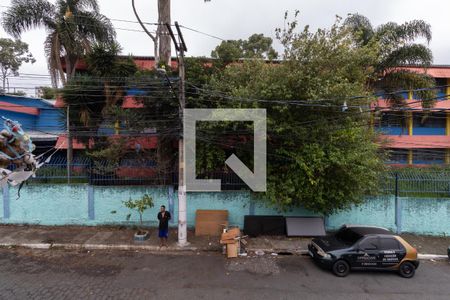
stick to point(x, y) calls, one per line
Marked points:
point(16, 150)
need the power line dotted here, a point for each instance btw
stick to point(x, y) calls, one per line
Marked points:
point(231, 97)
point(203, 33)
point(148, 87)
point(141, 31)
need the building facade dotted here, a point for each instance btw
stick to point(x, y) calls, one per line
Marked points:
point(39, 118)
point(417, 136)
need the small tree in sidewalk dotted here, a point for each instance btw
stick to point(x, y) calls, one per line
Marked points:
point(140, 205)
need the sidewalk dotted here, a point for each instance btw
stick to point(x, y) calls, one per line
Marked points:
point(121, 238)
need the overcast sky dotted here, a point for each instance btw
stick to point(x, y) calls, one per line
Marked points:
point(235, 19)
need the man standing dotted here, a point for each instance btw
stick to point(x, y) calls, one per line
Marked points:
point(163, 217)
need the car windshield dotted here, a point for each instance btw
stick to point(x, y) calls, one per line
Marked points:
point(347, 236)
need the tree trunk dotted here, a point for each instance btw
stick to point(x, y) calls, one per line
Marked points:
point(155, 46)
point(74, 68)
point(4, 75)
point(162, 33)
point(154, 38)
point(58, 64)
point(68, 66)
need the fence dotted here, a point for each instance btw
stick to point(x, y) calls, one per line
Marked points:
point(417, 183)
point(126, 172)
point(411, 183)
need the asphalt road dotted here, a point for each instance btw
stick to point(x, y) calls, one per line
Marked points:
point(58, 274)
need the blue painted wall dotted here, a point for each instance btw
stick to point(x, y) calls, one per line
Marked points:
point(50, 119)
point(393, 130)
point(88, 205)
point(48, 205)
point(28, 122)
point(429, 131)
point(397, 130)
point(375, 211)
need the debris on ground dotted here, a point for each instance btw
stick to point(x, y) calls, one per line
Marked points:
point(255, 265)
point(233, 241)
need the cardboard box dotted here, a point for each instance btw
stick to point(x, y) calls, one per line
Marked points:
point(210, 222)
point(232, 250)
point(231, 233)
point(231, 241)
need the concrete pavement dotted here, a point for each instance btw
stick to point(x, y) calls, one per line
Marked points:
point(121, 238)
point(62, 274)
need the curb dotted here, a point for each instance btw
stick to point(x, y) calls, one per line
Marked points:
point(47, 246)
point(151, 248)
point(27, 245)
point(303, 252)
point(432, 257)
point(267, 250)
point(120, 247)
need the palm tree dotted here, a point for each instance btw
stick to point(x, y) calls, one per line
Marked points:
point(72, 26)
point(396, 44)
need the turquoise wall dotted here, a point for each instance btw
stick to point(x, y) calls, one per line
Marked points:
point(47, 205)
point(429, 216)
point(88, 205)
point(109, 209)
point(375, 211)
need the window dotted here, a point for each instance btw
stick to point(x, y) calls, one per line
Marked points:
point(442, 90)
point(392, 123)
point(431, 120)
point(347, 236)
point(428, 156)
point(389, 244)
point(392, 119)
point(370, 243)
point(398, 156)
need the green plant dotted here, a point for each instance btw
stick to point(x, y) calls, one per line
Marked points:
point(139, 205)
point(12, 55)
point(72, 26)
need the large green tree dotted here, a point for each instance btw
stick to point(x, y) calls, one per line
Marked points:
point(12, 55)
point(72, 26)
point(256, 46)
point(321, 155)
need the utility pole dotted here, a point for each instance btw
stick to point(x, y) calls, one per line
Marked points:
point(162, 33)
point(69, 147)
point(398, 207)
point(180, 47)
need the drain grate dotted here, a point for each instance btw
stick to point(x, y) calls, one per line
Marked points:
point(285, 253)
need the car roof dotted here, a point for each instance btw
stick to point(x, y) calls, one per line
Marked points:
point(363, 230)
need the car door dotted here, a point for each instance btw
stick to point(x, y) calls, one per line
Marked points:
point(391, 252)
point(366, 254)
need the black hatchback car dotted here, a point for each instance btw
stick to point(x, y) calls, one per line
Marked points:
point(357, 247)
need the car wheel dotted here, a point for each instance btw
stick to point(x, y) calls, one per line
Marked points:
point(407, 269)
point(341, 268)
